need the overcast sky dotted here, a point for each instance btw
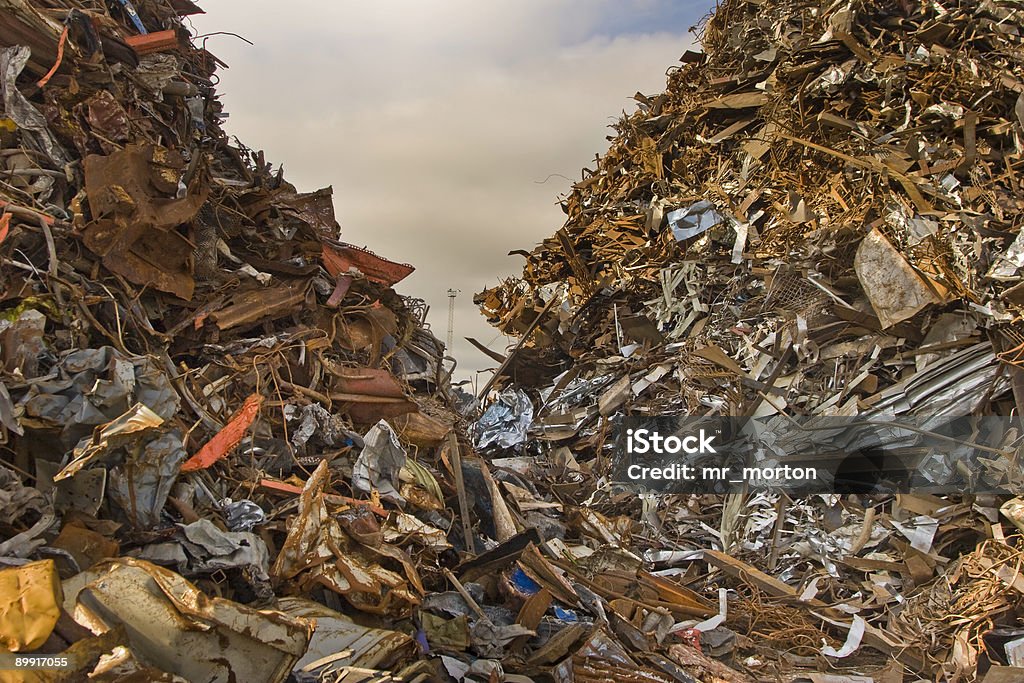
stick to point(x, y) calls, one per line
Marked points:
point(444, 125)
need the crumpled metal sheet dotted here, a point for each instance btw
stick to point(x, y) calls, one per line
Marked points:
point(340, 642)
point(316, 209)
point(405, 527)
point(155, 71)
point(85, 492)
point(213, 549)
point(379, 463)
point(143, 465)
point(488, 631)
point(506, 422)
point(124, 429)
point(137, 470)
point(202, 548)
point(81, 399)
point(1008, 263)
point(18, 108)
point(172, 625)
point(141, 484)
point(91, 387)
point(30, 599)
point(283, 208)
point(242, 515)
point(322, 427)
point(318, 552)
point(107, 116)
point(22, 506)
point(693, 220)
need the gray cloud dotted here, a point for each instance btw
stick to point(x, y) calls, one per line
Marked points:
point(438, 122)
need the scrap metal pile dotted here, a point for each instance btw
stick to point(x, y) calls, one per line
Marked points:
point(231, 451)
point(219, 422)
point(821, 216)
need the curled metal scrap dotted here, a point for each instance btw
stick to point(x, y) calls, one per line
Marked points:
point(964, 604)
point(778, 625)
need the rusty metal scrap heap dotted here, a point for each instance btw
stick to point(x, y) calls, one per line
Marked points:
point(231, 451)
point(213, 409)
point(820, 217)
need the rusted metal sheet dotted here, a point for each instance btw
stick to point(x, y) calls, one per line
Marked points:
point(245, 308)
point(226, 439)
point(87, 547)
point(318, 552)
point(316, 209)
point(141, 182)
point(340, 258)
point(343, 282)
point(135, 210)
point(161, 260)
point(369, 394)
point(284, 204)
point(158, 41)
point(107, 117)
point(369, 381)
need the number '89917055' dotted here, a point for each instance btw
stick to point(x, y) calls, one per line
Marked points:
point(40, 662)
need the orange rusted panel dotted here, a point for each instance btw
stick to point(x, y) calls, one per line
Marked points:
point(226, 439)
point(369, 394)
point(339, 259)
point(160, 41)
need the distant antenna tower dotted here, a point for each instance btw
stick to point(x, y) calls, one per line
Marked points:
point(452, 293)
